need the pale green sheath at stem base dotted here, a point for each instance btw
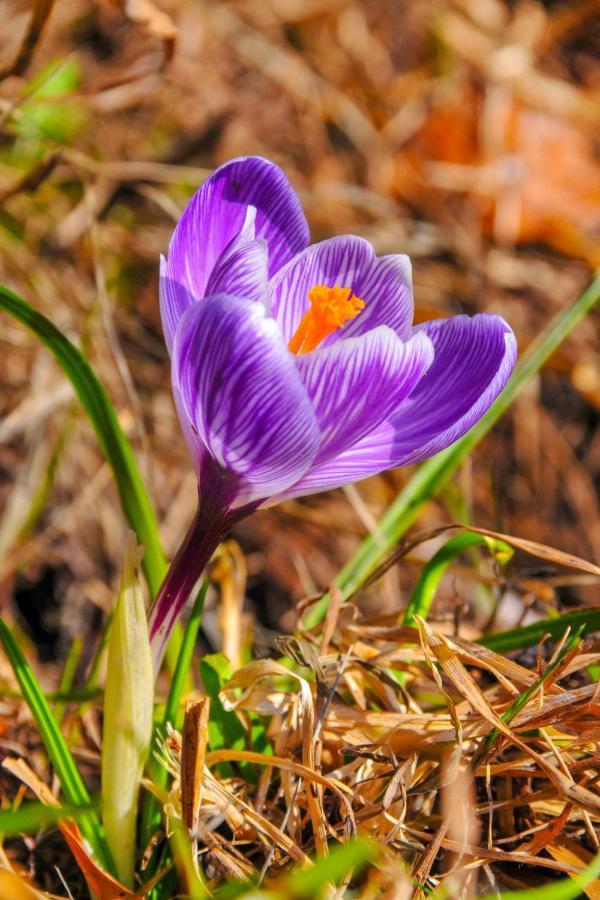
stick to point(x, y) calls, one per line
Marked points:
point(127, 717)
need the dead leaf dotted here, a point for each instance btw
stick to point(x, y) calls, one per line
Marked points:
point(193, 753)
point(550, 554)
point(101, 884)
point(568, 851)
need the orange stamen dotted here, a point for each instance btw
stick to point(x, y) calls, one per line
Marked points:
point(330, 308)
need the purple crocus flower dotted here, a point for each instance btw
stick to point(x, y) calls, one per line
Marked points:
point(297, 368)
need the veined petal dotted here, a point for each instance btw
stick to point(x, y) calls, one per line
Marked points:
point(174, 300)
point(242, 272)
point(368, 457)
point(359, 382)
point(384, 283)
point(240, 391)
point(216, 214)
point(474, 358)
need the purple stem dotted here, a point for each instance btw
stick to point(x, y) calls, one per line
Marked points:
point(204, 535)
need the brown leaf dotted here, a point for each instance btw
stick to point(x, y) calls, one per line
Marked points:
point(569, 851)
point(559, 557)
point(100, 883)
point(193, 753)
point(538, 181)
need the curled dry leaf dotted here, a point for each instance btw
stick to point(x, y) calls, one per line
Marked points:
point(550, 554)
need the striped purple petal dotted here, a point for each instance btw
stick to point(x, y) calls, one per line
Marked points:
point(384, 283)
point(359, 382)
point(174, 300)
point(474, 358)
point(240, 394)
point(219, 212)
point(242, 272)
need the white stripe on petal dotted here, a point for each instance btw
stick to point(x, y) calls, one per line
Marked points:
point(241, 393)
point(384, 283)
point(474, 358)
point(358, 383)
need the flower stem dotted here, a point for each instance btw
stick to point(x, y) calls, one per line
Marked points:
point(205, 533)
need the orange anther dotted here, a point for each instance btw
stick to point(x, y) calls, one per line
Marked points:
point(330, 308)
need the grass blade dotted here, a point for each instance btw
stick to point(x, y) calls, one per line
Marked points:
point(72, 783)
point(115, 445)
point(529, 635)
point(434, 474)
point(524, 698)
point(343, 858)
point(427, 585)
point(68, 676)
point(184, 659)
point(33, 817)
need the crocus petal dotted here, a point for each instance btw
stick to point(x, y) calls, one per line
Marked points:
point(174, 300)
point(474, 358)
point(384, 283)
point(240, 391)
point(242, 272)
point(216, 215)
point(359, 382)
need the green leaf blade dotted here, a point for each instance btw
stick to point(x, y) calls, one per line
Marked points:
point(59, 754)
point(115, 445)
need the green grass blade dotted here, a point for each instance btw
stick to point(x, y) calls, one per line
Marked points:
point(425, 589)
point(524, 698)
point(184, 660)
point(529, 635)
point(567, 889)
point(434, 474)
point(68, 676)
point(33, 817)
point(343, 858)
point(314, 881)
point(224, 728)
point(117, 449)
point(72, 783)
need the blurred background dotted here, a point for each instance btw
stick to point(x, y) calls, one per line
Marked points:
point(461, 133)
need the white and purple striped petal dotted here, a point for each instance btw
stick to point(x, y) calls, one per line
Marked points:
point(384, 283)
point(473, 360)
point(217, 214)
point(359, 382)
point(239, 390)
point(242, 272)
point(474, 357)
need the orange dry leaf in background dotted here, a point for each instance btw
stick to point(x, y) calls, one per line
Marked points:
point(532, 175)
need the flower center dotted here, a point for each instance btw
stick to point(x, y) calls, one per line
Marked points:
point(330, 308)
